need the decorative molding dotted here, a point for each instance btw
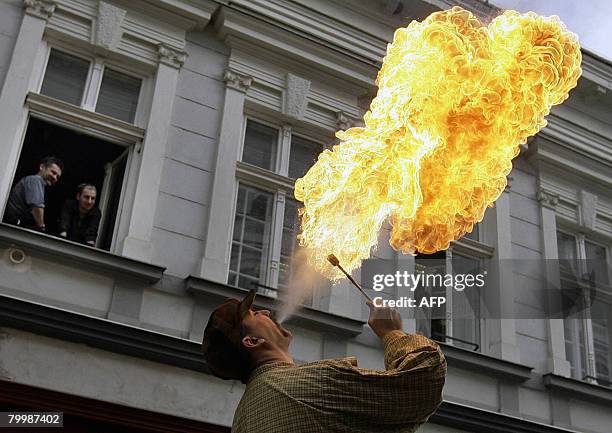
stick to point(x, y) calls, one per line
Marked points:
point(210, 292)
point(237, 81)
point(344, 121)
point(547, 198)
point(171, 56)
point(509, 181)
point(476, 420)
point(588, 209)
point(296, 96)
point(54, 109)
point(101, 333)
point(578, 389)
point(481, 363)
point(40, 8)
point(108, 25)
point(79, 255)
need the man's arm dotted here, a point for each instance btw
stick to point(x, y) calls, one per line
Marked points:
point(64, 221)
point(35, 198)
point(91, 233)
point(404, 395)
point(39, 217)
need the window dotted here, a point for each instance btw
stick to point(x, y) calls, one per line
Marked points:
point(458, 321)
point(92, 85)
point(87, 159)
point(584, 265)
point(266, 222)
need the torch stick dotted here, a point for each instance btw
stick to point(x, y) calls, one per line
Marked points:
point(335, 262)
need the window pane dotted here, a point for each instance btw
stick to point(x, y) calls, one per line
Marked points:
point(252, 228)
point(574, 347)
point(302, 156)
point(466, 304)
point(118, 96)
point(568, 261)
point(260, 144)
point(596, 262)
point(65, 77)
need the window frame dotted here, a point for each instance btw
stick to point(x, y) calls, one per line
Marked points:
point(93, 81)
point(584, 325)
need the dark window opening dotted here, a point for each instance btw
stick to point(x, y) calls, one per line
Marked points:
point(86, 159)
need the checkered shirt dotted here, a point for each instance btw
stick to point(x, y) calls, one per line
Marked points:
point(336, 396)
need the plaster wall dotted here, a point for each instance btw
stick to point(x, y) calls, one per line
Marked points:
point(184, 197)
point(81, 370)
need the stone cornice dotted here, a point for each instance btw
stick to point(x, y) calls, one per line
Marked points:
point(480, 363)
point(476, 420)
point(243, 31)
point(237, 81)
point(104, 334)
point(597, 69)
point(40, 8)
point(171, 56)
point(578, 389)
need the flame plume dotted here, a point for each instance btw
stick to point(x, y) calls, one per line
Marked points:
point(455, 101)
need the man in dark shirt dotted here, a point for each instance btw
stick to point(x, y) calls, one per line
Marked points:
point(26, 203)
point(80, 218)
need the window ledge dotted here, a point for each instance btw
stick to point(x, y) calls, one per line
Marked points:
point(101, 333)
point(54, 110)
point(305, 316)
point(478, 362)
point(578, 388)
point(73, 253)
point(473, 419)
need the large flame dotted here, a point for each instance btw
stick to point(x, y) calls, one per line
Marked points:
point(455, 101)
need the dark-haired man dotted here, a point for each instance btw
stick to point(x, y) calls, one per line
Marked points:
point(325, 396)
point(80, 218)
point(26, 203)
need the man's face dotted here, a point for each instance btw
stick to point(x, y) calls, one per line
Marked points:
point(50, 174)
point(260, 324)
point(86, 199)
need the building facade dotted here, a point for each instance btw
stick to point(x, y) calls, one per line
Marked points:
point(193, 119)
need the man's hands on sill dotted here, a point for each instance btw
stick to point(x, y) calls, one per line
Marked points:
point(383, 320)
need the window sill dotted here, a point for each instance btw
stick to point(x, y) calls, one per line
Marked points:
point(578, 389)
point(306, 316)
point(478, 362)
point(74, 253)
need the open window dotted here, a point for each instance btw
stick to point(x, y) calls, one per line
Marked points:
point(86, 159)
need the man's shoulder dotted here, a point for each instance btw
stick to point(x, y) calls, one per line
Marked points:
point(32, 180)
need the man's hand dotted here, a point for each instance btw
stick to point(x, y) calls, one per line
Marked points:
point(384, 320)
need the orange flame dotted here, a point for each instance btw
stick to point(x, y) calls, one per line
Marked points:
point(455, 101)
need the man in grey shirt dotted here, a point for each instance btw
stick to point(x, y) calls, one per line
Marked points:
point(26, 203)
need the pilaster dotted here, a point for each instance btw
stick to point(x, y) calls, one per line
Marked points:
point(557, 362)
point(138, 244)
point(215, 263)
point(16, 85)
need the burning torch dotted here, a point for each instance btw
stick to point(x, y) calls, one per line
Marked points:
point(335, 262)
